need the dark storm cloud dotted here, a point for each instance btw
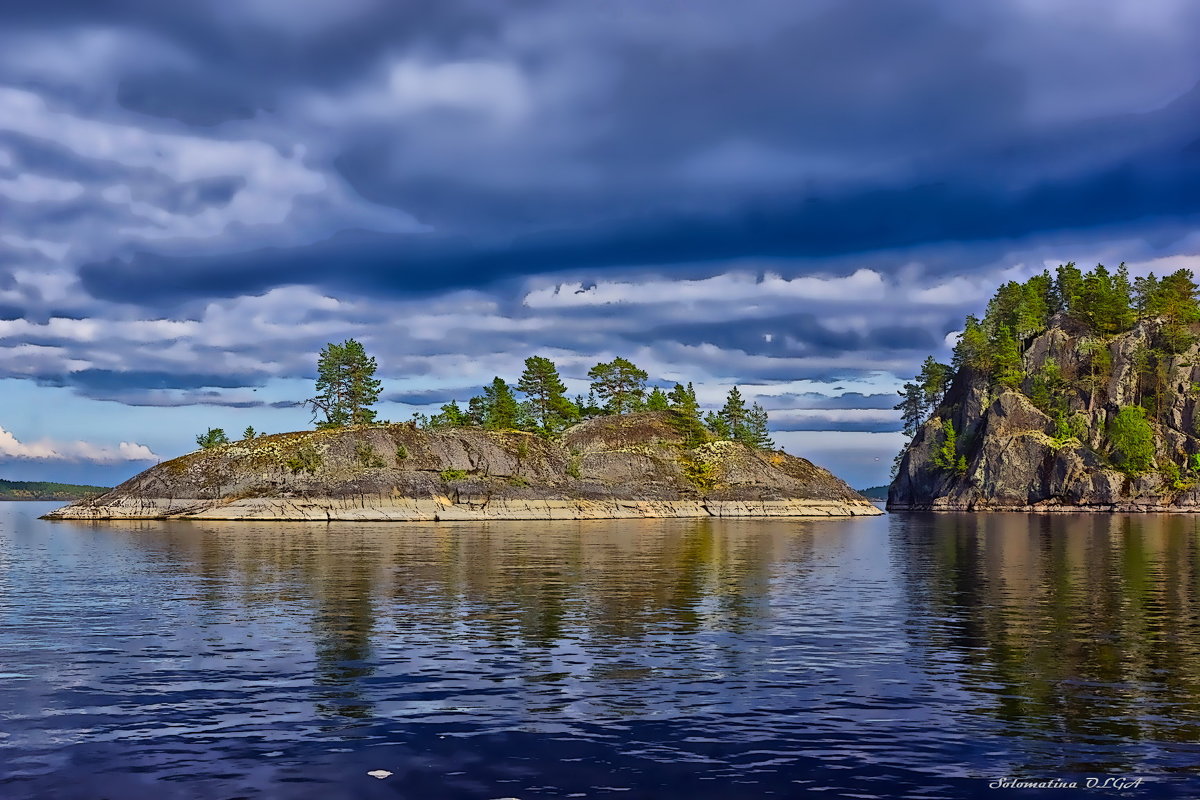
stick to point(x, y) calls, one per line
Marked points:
point(583, 141)
point(244, 54)
point(701, 138)
point(142, 398)
point(1162, 185)
point(103, 380)
point(792, 334)
point(425, 397)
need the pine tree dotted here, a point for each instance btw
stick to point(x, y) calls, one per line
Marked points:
point(683, 400)
point(1068, 282)
point(1007, 368)
point(733, 414)
point(249, 433)
point(620, 384)
point(685, 410)
point(911, 407)
point(1175, 297)
point(500, 410)
point(657, 400)
point(548, 406)
point(213, 437)
point(450, 416)
point(586, 406)
point(1175, 301)
point(757, 434)
point(1042, 286)
point(717, 426)
point(946, 456)
point(1123, 311)
point(1145, 295)
point(934, 381)
point(973, 350)
point(477, 410)
point(346, 386)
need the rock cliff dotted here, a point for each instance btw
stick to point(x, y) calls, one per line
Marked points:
point(634, 465)
point(1062, 456)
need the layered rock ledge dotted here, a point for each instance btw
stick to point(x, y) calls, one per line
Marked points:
point(631, 466)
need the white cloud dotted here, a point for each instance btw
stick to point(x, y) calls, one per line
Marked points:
point(30, 188)
point(92, 330)
point(46, 449)
point(494, 90)
point(834, 415)
point(83, 55)
point(271, 182)
point(51, 250)
point(863, 284)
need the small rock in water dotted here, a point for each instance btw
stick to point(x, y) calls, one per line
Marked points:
point(380, 773)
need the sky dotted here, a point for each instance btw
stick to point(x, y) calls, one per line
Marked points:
point(800, 199)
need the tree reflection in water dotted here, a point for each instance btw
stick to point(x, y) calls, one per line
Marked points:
point(550, 602)
point(1083, 627)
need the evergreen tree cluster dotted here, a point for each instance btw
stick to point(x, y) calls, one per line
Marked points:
point(346, 388)
point(1107, 303)
point(617, 387)
point(1103, 303)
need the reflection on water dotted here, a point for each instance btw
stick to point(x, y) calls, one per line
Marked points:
point(912, 655)
point(1083, 628)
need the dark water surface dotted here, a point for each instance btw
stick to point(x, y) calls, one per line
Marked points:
point(907, 656)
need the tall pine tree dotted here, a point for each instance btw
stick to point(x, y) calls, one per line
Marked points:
point(497, 408)
point(620, 384)
point(756, 433)
point(686, 411)
point(346, 386)
point(733, 414)
point(546, 393)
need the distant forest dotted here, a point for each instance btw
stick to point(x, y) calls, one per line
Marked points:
point(46, 490)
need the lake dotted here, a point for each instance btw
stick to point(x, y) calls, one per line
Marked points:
point(915, 656)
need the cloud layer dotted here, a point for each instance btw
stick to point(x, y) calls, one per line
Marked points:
point(804, 199)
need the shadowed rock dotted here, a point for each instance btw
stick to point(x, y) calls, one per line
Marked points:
point(1020, 459)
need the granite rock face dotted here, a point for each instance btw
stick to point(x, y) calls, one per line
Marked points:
point(633, 465)
point(1020, 459)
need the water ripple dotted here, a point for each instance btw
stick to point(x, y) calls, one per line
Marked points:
point(913, 656)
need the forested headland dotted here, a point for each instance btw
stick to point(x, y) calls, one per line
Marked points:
point(1101, 367)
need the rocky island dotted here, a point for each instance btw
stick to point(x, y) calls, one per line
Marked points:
point(629, 465)
point(1077, 392)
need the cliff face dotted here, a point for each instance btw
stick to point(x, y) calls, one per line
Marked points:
point(1017, 457)
point(611, 467)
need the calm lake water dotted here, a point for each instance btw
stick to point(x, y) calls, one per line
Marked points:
point(903, 656)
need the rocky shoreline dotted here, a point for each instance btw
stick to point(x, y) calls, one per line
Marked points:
point(633, 466)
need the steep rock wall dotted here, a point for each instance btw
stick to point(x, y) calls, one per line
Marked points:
point(1019, 458)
